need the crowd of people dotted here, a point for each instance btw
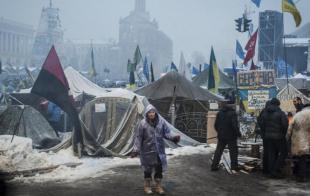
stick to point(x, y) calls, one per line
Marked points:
point(285, 137)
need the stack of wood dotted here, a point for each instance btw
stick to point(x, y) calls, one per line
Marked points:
point(246, 164)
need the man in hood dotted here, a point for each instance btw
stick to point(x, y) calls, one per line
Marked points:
point(226, 126)
point(149, 143)
point(274, 124)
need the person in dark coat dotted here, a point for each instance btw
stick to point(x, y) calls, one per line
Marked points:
point(226, 126)
point(274, 124)
point(150, 145)
point(259, 122)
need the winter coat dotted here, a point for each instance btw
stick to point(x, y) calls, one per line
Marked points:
point(226, 124)
point(149, 142)
point(299, 131)
point(273, 123)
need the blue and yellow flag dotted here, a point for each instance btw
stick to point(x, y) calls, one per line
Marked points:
point(214, 75)
point(92, 71)
point(289, 6)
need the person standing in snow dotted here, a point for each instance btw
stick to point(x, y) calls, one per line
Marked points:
point(150, 145)
point(260, 124)
point(299, 132)
point(226, 126)
point(274, 124)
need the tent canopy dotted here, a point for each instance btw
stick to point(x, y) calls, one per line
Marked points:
point(109, 124)
point(25, 121)
point(286, 96)
point(202, 80)
point(181, 102)
point(79, 84)
point(173, 84)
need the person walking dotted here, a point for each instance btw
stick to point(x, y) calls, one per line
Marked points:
point(274, 124)
point(150, 145)
point(226, 126)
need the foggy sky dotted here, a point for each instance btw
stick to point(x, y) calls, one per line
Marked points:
point(193, 25)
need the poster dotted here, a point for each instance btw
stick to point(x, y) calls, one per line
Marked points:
point(257, 99)
point(100, 107)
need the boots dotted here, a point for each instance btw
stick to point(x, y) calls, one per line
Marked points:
point(158, 188)
point(147, 186)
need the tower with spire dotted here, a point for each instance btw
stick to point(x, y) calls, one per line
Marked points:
point(139, 29)
point(49, 32)
point(140, 6)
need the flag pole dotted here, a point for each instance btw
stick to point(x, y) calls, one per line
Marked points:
point(285, 59)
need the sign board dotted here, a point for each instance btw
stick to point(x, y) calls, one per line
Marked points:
point(214, 106)
point(255, 78)
point(257, 98)
point(100, 107)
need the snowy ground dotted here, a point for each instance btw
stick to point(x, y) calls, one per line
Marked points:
point(21, 156)
point(188, 174)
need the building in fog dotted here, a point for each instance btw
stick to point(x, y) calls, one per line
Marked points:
point(15, 42)
point(297, 53)
point(110, 57)
point(270, 45)
point(139, 29)
point(49, 32)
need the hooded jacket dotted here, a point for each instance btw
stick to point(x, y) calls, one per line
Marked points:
point(149, 141)
point(299, 130)
point(226, 124)
point(273, 123)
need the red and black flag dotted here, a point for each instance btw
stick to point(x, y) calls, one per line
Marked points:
point(52, 84)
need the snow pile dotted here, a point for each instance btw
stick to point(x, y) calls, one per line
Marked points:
point(89, 168)
point(189, 150)
point(19, 155)
point(300, 76)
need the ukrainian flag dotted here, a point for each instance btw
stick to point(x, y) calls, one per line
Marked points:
point(289, 6)
point(214, 75)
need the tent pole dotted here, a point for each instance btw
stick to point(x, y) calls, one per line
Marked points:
point(17, 125)
point(173, 115)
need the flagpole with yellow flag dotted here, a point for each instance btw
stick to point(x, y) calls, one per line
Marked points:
point(214, 75)
point(290, 7)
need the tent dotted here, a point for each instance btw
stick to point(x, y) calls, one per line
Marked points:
point(286, 96)
point(79, 84)
point(298, 83)
point(80, 88)
point(109, 123)
point(181, 102)
point(202, 80)
point(25, 121)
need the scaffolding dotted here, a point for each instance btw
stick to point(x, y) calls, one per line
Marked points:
point(270, 45)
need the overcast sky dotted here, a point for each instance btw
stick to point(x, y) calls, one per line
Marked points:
point(193, 25)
